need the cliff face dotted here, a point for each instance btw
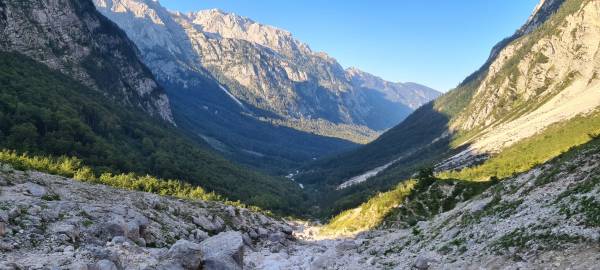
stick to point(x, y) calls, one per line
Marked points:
point(547, 76)
point(71, 36)
point(280, 78)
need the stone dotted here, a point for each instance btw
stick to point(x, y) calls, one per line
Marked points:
point(223, 251)
point(2, 229)
point(14, 212)
point(118, 240)
point(3, 216)
point(133, 230)
point(423, 261)
point(252, 233)
point(115, 227)
point(36, 190)
point(186, 254)
point(276, 237)
point(287, 230)
point(247, 239)
point(104, 265)
point(67, 229)
point(322, 263)
point(198, 235)
point(78, 266)
point(211, 223)
point(346, 246)
point(9, 266)
point(263, 233)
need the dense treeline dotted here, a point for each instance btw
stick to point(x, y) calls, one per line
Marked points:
point(43, 112)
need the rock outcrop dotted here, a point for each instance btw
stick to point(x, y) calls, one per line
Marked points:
point(73, 37)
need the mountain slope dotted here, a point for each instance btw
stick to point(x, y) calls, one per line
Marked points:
point(545, 218)
point(72, 37)
point(543, 75)
point(243, 85)
point(52, 112)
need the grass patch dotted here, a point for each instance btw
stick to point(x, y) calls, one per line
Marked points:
point(370, 214)
point(528, 153)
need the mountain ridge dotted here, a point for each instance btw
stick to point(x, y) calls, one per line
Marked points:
point(288, 92)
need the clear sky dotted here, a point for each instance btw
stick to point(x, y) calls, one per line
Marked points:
point(433, 42)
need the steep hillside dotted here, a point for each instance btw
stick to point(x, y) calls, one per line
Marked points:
point(546, 218)
point(51, 110)
point(542, 76)
point(71, 36)
point(290, 95)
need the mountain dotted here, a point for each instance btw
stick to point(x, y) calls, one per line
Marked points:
point(253, 91)
point(71, 84)
point(511, 114)
point(84, 46)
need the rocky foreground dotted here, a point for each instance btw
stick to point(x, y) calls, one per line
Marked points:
point(548, 218)
point(51, 222)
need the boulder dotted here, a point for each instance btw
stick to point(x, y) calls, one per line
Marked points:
point(3, 216)
point(36, 190)
point(263, 233)
point(287, 230)
point(2, 229)
point(252, 233)
point(346, 246)
point(78, 266)
point(424, 260)
point(322, 263)
point(198, 235)
point(115, 227)
point(104, 265)
point(67, 229)
point(277, 237)
point(14, 212)
point(209, 223)
point(223, 251)
point(9, 266)
point(186, 254)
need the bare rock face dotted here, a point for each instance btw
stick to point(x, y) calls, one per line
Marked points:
point(71, 36)
point(549, 75)
point(262, 68)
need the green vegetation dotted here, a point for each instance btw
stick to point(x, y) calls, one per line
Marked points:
point(73, 168)
point(370, 214)
point(522, 241)
point(411, 201)
point(528, 153)
point(45, 113)
point(441, 196)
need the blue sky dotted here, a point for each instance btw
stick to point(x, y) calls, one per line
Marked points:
point(436, 43)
